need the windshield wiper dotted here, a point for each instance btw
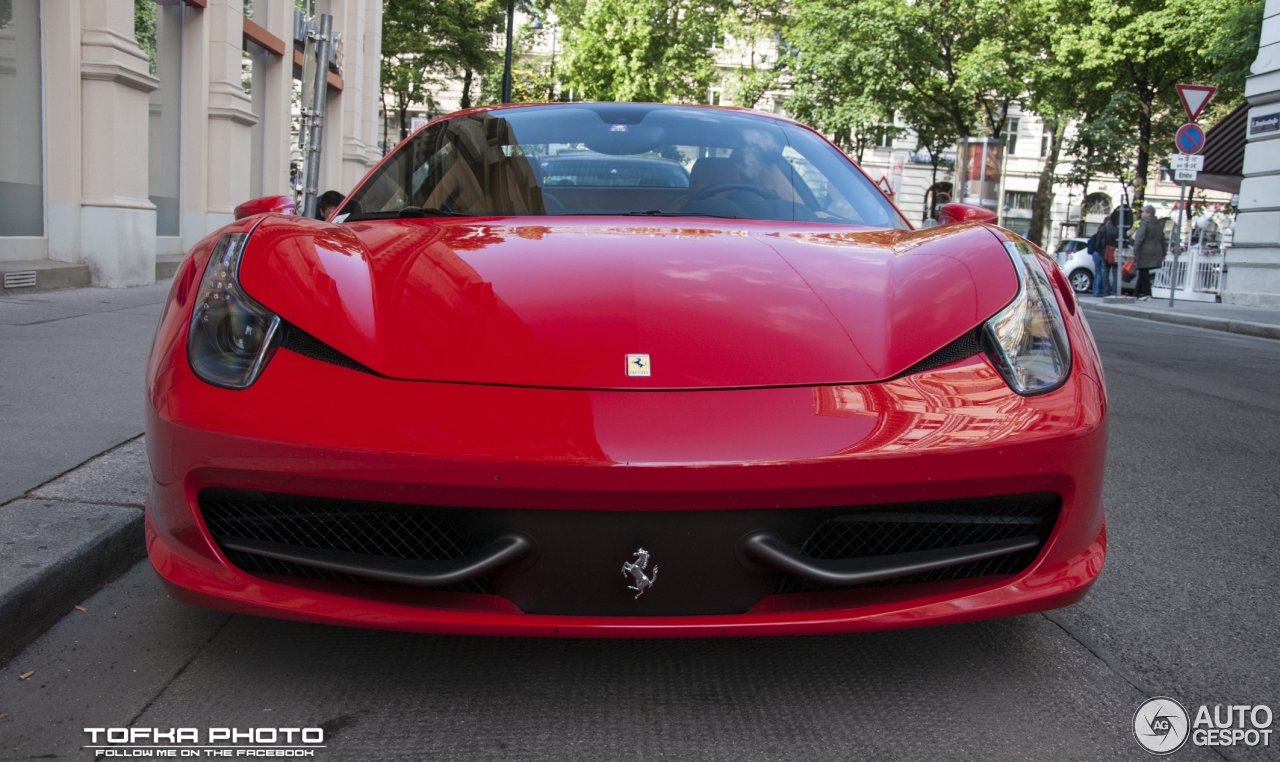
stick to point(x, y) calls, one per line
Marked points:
point(419, 211)
point(407, 212)
point(648, 213)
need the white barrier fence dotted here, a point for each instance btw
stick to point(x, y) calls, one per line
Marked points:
point(1198, 277)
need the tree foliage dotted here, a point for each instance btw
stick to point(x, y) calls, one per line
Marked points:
point(1142, 48)
point(640, 50)
point(424, 41)
point(751, 25)
point(958, 60)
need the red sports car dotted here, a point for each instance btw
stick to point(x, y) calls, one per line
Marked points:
point(623, 370)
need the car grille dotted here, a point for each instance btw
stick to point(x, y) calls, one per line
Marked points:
point(931, 527)
point(580, 552)
point(375, 529)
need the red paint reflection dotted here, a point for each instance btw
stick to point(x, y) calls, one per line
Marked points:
point(952, 407)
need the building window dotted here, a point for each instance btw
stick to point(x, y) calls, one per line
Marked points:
point(164, 45)
point(1019, 225)
point(1018, 201)
point(1011, 136)
point(1044, 143)
point(1097, 203)
point(21, 168)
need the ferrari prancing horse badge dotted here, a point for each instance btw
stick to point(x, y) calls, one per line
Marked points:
point(636, 574)
point(637, 365)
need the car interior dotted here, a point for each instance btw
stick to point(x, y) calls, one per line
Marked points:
point(623, 159)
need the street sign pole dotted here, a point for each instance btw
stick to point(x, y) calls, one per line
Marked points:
point(315, 117)
point(1175, 241)
point(1189, 141)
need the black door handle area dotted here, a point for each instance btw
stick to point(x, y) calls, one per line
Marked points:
point(506, 548)
point(766, 547)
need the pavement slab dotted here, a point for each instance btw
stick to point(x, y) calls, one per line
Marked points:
point(120, 476)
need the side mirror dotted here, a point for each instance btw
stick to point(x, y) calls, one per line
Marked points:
point(278, 204)
point(954, 212)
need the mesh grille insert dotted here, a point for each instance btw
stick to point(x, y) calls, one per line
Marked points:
point(297, 340)
point(375, 529)
point(967, 345)
point(931, 527)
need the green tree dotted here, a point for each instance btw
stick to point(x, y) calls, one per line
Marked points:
point(144, 28)
point(1103, 144)
point(424, 41)
point(639, 50)
point(959, 59)
point(750, 23)
point(1143, 48)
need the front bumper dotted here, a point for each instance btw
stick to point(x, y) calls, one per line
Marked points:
point(308, 428)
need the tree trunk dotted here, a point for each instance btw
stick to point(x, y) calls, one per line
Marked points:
point(1144, 153)
point(404, 115)
point(466, 89)
point(932, 194)
point(1040, 207)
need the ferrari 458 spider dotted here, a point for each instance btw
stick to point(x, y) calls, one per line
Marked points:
point(623, 370)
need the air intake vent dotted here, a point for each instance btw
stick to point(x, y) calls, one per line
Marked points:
point(934, 526)
point(384, 530)
point(968, 345)
point(297, 340)
point(20, 279)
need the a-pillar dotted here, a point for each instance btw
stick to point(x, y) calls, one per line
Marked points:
point(1253, 260)
point(117, 221)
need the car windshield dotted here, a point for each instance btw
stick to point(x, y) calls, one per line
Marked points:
point(613, 158)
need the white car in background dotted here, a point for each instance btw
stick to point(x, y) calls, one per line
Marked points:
point(1075, 260)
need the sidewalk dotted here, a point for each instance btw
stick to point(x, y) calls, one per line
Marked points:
point(73, 469)
point(1247, 321)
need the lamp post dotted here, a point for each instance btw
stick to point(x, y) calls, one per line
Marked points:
point(506, 69)
point(536, 25)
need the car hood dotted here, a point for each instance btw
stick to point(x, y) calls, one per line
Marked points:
point(562, 304)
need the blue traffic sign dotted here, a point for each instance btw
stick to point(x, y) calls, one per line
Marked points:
point(1190, 138)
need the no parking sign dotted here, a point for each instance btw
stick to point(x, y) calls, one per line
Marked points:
point(1189, 138)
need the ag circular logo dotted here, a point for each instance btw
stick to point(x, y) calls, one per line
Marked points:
point(1161, 725)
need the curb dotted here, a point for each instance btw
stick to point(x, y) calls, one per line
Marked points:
point(110, 541)
point(1242, 327)
point(64, 540)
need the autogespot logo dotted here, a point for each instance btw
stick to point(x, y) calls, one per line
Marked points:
point(1160, 725)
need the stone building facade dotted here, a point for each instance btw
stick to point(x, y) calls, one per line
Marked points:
point(122, 147)
point(1253, 261)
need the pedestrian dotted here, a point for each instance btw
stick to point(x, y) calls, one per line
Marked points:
point(327, 204)
point(1099, 266)
point(1149, 247)
point(1104, 258)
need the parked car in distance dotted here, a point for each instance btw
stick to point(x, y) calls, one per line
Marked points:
point(1076, 261)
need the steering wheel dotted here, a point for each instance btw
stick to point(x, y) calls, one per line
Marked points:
point(714, 188)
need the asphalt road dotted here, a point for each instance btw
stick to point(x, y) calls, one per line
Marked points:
point(1188, 607)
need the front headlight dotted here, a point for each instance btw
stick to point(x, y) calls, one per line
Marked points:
point(1029, 336)
point(230, 340)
